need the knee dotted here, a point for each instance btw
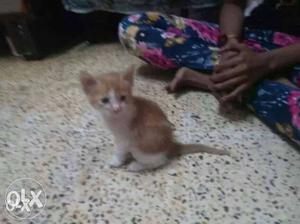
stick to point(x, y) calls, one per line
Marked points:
point(129, 26)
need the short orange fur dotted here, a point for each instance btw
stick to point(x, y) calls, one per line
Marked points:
point(139, 125)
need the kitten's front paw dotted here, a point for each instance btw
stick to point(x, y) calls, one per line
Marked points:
point(115, 162)
point(135, 167)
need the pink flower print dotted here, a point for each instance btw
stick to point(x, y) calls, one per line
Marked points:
point(175, 30)
point(203, 30)
point(133, 18)
point(283, 39)
point(254, 45)
point(167, 35)
point(155, 57)
point(294, 104)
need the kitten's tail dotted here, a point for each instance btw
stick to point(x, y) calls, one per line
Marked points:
point(183, 149)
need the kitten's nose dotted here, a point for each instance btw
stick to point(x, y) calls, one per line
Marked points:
point(116, 108)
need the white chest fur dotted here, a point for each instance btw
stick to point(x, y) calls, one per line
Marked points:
point(119, 125)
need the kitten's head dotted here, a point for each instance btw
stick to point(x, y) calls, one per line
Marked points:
point(110, 93)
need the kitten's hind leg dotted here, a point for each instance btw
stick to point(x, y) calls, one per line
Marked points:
point(119, 158)
point(147, 162)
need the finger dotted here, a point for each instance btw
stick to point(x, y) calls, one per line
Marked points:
point(228, 55)
point(231, 83)
point(228, 64)
point(235, 46)
point(234, 94)
point(232, 45)
point(228, 74)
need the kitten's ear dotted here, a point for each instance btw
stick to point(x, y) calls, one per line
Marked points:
point(87, 81)
point(128, 75)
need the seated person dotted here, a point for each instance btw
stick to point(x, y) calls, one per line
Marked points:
point(258, 67)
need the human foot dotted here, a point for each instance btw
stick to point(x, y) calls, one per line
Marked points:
point(187, 77)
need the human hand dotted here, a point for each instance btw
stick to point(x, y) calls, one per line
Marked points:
point(238, 70)
point(230, 52)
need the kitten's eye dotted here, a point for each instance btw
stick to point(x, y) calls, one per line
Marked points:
point(105, 100)
point(123, 98)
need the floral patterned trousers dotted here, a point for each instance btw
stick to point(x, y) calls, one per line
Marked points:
point(170, 42)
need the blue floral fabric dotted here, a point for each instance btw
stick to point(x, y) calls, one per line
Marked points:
point(171, 42)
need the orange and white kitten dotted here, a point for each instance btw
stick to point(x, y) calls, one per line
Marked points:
point(140, 127)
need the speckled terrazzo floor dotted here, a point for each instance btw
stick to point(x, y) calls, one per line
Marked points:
point(49, 132)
